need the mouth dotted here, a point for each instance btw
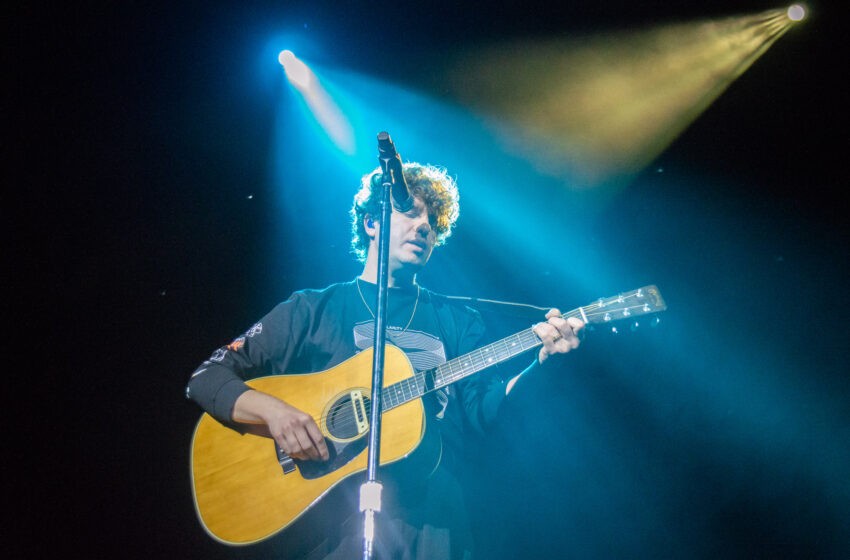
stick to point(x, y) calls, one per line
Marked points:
point(419, 244)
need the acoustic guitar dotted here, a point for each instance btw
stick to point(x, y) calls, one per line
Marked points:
point(246, 489)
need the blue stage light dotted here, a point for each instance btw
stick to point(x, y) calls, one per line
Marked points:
point(296, 71)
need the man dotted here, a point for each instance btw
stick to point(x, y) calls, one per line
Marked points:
point(423, 516)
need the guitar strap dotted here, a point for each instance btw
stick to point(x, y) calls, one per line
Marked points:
point(521, 310)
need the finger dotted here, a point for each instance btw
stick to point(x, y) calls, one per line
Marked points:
point(569, 327)
point(318, 440)
point(562, 327)
point(572, 330)
point(576, 324)
point(287, 447)
point(307, 445)
point(547, 333)
point(558, 335)
point(568, 343)
point(299, 444)
point(292, 446)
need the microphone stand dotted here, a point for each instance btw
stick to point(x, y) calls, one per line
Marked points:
point(370, 491)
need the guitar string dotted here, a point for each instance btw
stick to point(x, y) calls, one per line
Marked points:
point(589, 311)
point(420, 381)
point(574, 313)
point(479, 362)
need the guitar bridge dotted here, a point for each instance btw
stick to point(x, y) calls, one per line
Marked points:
point(358, 409)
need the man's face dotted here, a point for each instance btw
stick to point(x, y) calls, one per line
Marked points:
point(412, 237)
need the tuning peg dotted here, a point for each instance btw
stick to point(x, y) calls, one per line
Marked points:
point(635, 326)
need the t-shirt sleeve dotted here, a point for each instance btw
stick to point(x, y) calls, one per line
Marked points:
point(268, 347)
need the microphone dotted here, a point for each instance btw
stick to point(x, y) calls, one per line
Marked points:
point(392, 173)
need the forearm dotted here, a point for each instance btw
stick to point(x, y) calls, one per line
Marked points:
point(255, 407)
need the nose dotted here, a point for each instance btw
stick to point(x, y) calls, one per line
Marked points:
point(423, 228)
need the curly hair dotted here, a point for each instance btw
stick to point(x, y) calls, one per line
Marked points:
point(431, 184)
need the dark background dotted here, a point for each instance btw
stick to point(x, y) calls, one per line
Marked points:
point(135, 252)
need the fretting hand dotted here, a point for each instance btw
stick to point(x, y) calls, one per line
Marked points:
point(559, 334)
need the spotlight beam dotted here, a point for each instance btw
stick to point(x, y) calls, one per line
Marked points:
point(320, 103)
point(595, 111)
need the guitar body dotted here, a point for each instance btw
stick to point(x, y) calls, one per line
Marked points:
point(241, 493)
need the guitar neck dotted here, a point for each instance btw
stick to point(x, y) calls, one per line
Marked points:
point(426, 381)
point(624, 306)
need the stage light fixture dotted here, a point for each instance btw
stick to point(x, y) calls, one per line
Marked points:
point(796, 12)
point(296, 71)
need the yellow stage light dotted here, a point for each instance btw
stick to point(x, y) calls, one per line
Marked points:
point(595, 110)
point(796, 12)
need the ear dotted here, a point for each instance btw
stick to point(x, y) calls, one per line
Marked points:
point(370, 226)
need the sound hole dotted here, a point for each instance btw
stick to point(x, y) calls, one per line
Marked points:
point(341, 421)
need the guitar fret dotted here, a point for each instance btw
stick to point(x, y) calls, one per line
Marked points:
point(484, 357)
point(420, 383)
point(447, 374)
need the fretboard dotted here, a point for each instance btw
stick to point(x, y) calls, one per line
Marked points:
point(423, 382)
point(624, 306)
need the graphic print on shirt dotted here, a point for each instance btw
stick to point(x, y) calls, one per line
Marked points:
point(220, 353)
point(424, 351)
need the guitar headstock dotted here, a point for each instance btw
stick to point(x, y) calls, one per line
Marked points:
point(624, 306)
